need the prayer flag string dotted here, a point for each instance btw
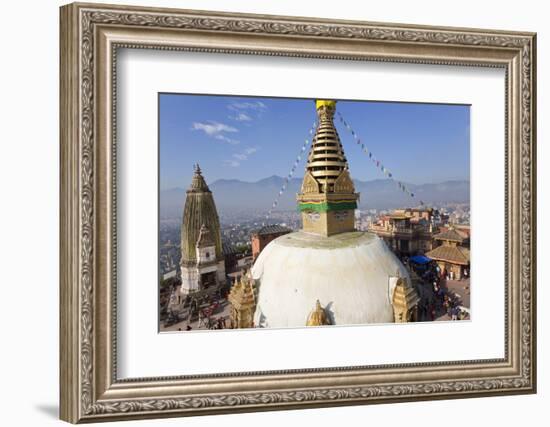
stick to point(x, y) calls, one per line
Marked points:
point(379, 165)
point(288, 177)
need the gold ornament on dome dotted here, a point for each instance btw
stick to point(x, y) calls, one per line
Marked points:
point(317, 317)
point(243, 302)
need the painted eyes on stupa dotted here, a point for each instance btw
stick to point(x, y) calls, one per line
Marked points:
point(313, 216)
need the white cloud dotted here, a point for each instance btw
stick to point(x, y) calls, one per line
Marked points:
point(226, 139)
point(253, 105)
point(233, 163)
point(216, 130)
point(247, 111)
point(237, 158)
point(213, 128)
point(240, 156)
point(241, 117)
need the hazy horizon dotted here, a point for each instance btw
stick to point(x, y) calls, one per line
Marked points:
point(299, 178)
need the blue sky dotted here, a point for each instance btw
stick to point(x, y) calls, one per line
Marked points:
point(250, 138)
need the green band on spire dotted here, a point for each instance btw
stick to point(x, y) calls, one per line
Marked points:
point(341, 205)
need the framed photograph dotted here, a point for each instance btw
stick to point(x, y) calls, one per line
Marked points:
point(268, 212)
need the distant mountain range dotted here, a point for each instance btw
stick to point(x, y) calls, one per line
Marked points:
point(233, 196)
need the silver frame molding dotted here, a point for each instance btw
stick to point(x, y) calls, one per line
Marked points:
point(90, 37)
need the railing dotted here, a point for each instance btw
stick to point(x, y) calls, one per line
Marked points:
point(373, 227)
point(400, 230)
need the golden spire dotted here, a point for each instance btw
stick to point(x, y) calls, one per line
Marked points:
point(236, 286)
point(405, 302)
point(327, 198)
point(326, 159)
point(243, 302)
point(317, 317)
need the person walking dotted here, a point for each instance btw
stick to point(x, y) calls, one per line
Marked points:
point(432, 312)
point(454, 313)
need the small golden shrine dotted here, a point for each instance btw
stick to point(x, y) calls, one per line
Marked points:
point(317, 317)
point(327, 199)
point(243, 302)
point(405, 302)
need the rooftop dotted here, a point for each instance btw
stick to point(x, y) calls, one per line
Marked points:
point(272, 229)
point(227, 249)
point(452, 254)
point(399, 216)
point(451, 235)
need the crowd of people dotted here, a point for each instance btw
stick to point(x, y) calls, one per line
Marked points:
point(199, 309)
point(435, 298)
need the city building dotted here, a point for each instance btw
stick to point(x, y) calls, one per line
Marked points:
point(463, 231)
point(328, 272)
point(451, 254)
point(408, 231)
point(202, 263)
point(262, 237)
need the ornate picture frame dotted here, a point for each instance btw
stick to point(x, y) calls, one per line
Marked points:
point(90, 37)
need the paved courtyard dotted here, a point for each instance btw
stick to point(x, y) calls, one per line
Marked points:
point(460, 289)
point(222, 312)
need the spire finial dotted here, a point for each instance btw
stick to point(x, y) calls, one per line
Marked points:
point(198, 183)
point(325, 103)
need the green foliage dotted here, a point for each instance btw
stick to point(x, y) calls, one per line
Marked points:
point(242, 248)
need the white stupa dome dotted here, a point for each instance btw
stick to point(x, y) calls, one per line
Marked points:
point(352, 275)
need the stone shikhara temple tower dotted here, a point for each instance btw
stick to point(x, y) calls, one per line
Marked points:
point(202, 263)
point(327, 199)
